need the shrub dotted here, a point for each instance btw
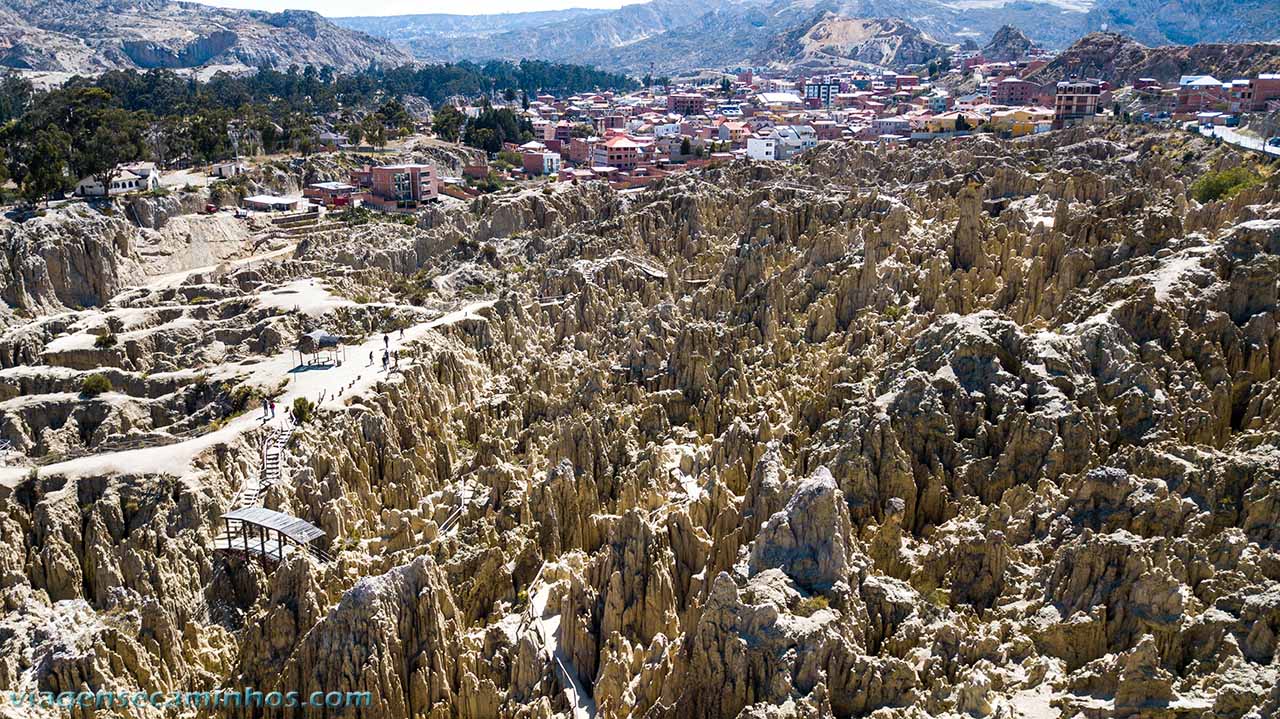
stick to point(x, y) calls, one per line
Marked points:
point(1217, 185)
point(94, 385)
point(809, 606)
point(895, 312)
point(104, 341)
point(241, 396)
point(302, 409)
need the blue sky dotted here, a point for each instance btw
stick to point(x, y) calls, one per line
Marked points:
point(338, 8)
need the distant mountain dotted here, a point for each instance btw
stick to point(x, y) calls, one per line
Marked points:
point(1186, 22)
point(1009, 43)
point(86, 36)
point(409, 27)
point(833, 41)
point(674, 36)
point(677, 35)
point(1121, 60)
point(575, 35)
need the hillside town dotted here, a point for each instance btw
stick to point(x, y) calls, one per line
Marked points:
point(631, 139)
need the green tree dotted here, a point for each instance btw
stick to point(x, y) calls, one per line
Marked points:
point(269, 132)
point(355, 132)
point(374, 131)
point(725, 86)
point(502, 125)
point(485, 139)
point(686, 147)
point(15, 96)
point(45, 171)
point(209, 138)
point(300, 133)
point(394, 114)
point(447, 123)
point(116, 137)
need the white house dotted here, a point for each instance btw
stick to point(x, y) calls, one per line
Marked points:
point(550, 163)
point(227, 170)
point(666, 129)
point(794, 139)
point(762, 148)
point(135, 177)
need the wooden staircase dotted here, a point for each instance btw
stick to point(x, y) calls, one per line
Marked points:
point(255, 485)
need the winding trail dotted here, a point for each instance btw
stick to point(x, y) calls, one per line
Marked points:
point(326, 385)
point(548, 629)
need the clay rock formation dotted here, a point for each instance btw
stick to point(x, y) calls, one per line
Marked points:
point(984, 429)
point(808, 539)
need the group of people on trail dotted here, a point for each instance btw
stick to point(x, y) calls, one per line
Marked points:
point(268, 408)
point(389, 357)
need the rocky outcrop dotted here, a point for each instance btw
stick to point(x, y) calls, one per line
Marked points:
point(65, 36)
point(1121, 59)
point(1008, 43)
point(954, 430)
point(78, 259)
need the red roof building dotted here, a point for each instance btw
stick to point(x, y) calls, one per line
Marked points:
point(618, 151)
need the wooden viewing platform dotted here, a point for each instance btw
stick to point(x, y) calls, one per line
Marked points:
point(249, 530)
point(253, 530)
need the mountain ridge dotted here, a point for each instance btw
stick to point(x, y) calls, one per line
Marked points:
point(707, 33)
point(1121, 60)
point(99, 35)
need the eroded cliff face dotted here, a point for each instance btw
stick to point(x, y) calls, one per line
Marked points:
point(989, 429)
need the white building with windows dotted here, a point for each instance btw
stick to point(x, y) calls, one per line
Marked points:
point(762, 148)
point(135, 177)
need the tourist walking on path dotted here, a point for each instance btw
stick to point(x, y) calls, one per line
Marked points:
point(264, 409)
point(370, 358)
point(272, 404)
point(386, 340)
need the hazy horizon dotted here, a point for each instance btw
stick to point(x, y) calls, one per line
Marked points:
point(335, 8)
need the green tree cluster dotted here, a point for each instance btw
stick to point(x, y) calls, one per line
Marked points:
point(494, 126)
point(50, 139)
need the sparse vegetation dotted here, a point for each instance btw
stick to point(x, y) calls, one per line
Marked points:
point(809, 606)
point(241, 396)
point(303, 409)
point(94, 385)
point(105, 341)
point(1223, 184)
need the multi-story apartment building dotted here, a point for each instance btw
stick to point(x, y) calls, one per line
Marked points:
point(393, 187)
point(618, 151)
point(824, 90)
point(1014, 91)
point(686, 103)
point(1075, 101)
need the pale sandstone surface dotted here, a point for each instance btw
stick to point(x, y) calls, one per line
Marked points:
point(983, 429)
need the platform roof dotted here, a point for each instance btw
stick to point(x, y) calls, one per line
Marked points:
point(299, 530)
